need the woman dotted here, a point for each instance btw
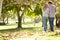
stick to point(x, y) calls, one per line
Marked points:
point(45, 11)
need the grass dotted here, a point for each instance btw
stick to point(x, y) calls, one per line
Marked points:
point(31, 32)
point(42, 37)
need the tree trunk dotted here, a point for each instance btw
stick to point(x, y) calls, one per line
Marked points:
point(20, 17)
point(23, 19)
point(7, 20)
point(19, 20)
point(3, 20)
point(34, 21)
point(1, 1)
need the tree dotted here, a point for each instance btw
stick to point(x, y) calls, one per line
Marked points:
point(25, 4)
point(0, 6)
point(38, 10)
point(17, 4)
point(5, 8)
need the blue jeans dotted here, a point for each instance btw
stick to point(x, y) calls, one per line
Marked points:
point(45, 23)
point(51, 22)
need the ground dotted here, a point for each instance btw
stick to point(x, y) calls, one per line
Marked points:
point(28, 32)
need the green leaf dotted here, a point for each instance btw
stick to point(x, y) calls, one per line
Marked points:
point(38, 10)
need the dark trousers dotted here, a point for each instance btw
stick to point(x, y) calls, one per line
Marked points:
point(51, 22)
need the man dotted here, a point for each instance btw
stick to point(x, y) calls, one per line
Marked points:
point(52, 10)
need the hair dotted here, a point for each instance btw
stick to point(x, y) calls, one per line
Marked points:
point(45, 6)
point(50, 3)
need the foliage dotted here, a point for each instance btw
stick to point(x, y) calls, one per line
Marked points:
point(29, 12)
point(38, 10)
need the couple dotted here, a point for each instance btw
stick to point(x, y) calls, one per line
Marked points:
point(48, 13)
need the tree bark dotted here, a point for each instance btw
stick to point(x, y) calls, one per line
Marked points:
point(1, 1)
point(20, 17)
point(19, 20)
point(7, 20)
point(23, 19)
point(3, 20)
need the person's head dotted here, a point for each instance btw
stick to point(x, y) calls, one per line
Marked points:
point(50, 3)
point(45, 6)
